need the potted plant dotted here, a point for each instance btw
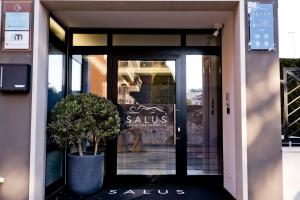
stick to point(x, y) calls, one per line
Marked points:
point(74, 120)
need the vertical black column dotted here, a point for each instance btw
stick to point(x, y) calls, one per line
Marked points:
point(112, 94)
point(68, 77)
point(181, 156)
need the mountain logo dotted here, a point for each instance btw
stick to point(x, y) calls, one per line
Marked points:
point(143, 116)
point(140, 108)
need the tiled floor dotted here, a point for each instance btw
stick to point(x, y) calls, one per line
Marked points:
point(150, 192)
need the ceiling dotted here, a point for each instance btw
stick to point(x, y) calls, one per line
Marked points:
point(140, 5)
point(142, 19)
point(140, 13)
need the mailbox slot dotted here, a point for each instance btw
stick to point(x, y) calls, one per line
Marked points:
point(14, 77)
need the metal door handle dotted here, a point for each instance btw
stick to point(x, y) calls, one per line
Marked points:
point(212, 106)
point(1, 76)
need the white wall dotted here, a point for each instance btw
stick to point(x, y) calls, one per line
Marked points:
point(39, 103)
point(229, 161)
point(291, 175)
point(240, 102)
point(234, 123)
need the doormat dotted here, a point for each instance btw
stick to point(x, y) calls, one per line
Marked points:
point(149, 192)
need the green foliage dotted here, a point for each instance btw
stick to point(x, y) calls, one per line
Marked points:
point(189, 102)
point(287, 62)
point(77, 117)
point(106, 117)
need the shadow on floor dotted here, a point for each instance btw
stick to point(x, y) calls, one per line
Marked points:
point(149, 192)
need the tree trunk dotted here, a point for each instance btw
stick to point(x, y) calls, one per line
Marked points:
point(96, 147)
point(80, 149)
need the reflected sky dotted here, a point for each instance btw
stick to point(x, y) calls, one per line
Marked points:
point(55, 72)
point(194, 69)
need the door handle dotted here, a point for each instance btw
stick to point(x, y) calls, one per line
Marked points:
point(212, 106)
point(1, 76)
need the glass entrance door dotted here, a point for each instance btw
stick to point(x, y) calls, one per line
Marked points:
point(147, 99)
point(170, 116)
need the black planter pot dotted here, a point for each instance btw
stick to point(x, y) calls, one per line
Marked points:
point(85, 173)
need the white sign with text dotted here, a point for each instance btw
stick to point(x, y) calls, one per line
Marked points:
point(16, 40)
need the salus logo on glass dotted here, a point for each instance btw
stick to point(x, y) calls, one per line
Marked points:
point(147, 116)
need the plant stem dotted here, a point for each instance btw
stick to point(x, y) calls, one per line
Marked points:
point(80, 149)
point(96, 147)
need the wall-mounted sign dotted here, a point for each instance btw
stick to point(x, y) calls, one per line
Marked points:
point(261, 26)
point(16, 40)
point(17, 26)
point(17, 21)
point(1, 20)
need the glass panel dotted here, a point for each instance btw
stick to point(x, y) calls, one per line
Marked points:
point(55, 77)
point(57, 30)
point(89, 74)
point(202, 40)
point(203, 149)
point(54, 157)
point(213, 147)
point(195, 124)
point(54, 166)
point(146, 94)
point(146, 40)
point(89, 39)
point(76, 73)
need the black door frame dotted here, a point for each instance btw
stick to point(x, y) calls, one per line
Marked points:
point(111, 50)
point(62, 46)
point(157, 53)
point(180, 137)
point(147, 52)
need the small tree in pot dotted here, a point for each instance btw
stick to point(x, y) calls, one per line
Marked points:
point(75, 119)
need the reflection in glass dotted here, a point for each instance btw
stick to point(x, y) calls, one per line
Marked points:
point(146, 40)
point(203, 149)
point(85, 39)
point(57, 30)
point(55, 79)
point(146, 94)
point(54, 158)
point(89, 74)
point(76, 73)
point(202, 40)
point(194, 103)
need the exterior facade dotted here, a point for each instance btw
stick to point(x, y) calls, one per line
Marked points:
point(241, 100)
